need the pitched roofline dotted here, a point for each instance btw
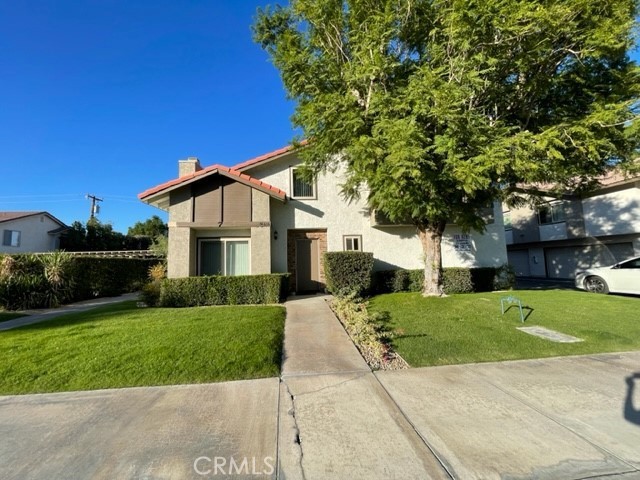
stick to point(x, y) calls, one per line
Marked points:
point(31, 214)
point(243, 178)
point(612, 178)
point(268, 157)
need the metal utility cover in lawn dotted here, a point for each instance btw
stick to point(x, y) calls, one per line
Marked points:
point(551, 335)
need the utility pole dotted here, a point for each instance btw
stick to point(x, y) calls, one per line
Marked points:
point(95, 208)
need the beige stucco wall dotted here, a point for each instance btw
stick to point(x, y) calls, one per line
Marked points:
point(181, 253)
point(33, 234)
point(615, 213)
point(181, 261)
point(181, 206)
point(392, 247)
point(261, 235)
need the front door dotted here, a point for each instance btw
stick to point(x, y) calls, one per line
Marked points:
point(307, 265)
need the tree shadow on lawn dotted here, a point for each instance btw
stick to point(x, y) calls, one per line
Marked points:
point(78, 318)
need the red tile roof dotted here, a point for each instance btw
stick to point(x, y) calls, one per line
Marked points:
point(266, 157)
point(226, 171)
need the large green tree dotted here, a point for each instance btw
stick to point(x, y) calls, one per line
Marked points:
point(151, 227)
point(438, 107)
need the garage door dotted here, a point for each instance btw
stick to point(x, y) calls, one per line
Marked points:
point(563, 262)
point(519, 260)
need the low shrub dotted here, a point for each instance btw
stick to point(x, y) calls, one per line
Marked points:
point(369, 332)
point(457, 280)
point(454, 280)
point(108, 277)
point(23, 292)
point(348, 272)
point(48, 280)
point(483, 278)
point(150, 294)
point(505, 278)
point(221, 290)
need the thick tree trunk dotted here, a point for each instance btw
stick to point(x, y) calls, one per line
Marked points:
point(430, 234)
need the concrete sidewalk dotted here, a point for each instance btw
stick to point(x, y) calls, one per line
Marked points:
point(329, 417)
point(177, 432)
point(42, 315)
point(558, 418)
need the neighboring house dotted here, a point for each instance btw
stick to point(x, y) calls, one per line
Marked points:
point(24, 232)
point(260, 216)
point(565, 236)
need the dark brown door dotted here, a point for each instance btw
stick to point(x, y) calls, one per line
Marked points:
point(307, 265)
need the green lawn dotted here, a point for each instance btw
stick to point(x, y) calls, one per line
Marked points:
point(4, 316)
point(123, 346)
point(470, 328)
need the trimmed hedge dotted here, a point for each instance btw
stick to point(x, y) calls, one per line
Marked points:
point(109, 277)
point(221, 290)
point(27, 282)
point(454, 280)
point(348, 273)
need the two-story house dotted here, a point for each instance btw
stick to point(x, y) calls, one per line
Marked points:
point(261, 216)
point(577, 232)
point(24, 232)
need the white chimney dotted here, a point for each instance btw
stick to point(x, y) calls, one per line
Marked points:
point(188, 166)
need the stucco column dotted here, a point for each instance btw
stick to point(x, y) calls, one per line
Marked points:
point(181, 255)
point(260, 250)
point(261, 235)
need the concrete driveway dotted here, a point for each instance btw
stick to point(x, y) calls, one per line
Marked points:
point(330, 417)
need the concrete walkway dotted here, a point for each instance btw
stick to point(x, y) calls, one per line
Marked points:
point(42, 315)
point(329, 417)
point(336, 420)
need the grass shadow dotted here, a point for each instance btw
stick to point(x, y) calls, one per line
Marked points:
point(77, 318)
point(525, 316)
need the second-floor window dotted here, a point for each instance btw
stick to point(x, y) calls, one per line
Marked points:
point(551, 213)
point(301, 187)
point(11, 238)
point(507, 220)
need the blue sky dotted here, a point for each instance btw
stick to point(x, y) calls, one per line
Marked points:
point(104, 97)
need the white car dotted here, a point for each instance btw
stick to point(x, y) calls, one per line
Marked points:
point(623, 277)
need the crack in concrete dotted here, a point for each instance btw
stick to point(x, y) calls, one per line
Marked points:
point(297, 438)
point(334, 385)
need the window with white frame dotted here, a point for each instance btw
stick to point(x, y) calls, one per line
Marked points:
point(301, 187)
point(507, 220)
point(223, 256)
point(551, 213)
point(352, 243)
point(11, 238)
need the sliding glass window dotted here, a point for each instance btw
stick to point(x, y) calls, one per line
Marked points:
point(221, 256)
